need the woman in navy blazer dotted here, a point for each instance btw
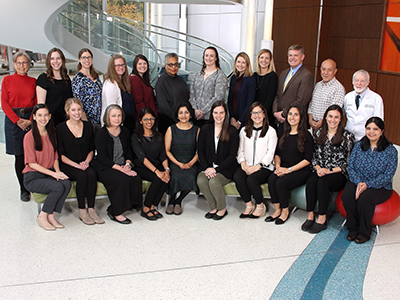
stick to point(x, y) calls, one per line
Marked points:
point(242, 90)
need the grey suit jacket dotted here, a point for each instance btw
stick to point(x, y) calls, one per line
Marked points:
point(298, 90)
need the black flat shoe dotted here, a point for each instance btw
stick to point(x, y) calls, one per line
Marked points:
point(350, 237)
point(279, 221)
point(217, 217)
point(157, 213)
point(307, 225)
point(112, 218)
point(146, 215)
point(271, 218)
point(210, 215)
point(316, 227)
point(243, 216)
point(361, 239)
point(25, 196)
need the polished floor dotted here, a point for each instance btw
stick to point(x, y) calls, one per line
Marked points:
point(187, 256)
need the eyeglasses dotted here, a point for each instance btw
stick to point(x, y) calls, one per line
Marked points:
point(20, 63)
point(254, 113)
point(120, 66)
point(176, 65)
point(149, 119)
point(86, 57)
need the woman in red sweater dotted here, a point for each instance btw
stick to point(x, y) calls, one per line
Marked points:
point(142, 91)
point(18, 97)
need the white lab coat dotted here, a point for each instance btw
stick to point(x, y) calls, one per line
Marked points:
point(111, 94)
point(371, 106)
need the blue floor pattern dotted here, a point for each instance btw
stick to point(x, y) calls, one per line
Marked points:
point(329, 268)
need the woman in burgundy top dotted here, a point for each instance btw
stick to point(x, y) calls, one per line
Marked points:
point(18, 97)
point(142, 91)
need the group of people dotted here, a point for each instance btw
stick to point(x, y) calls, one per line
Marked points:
point(185, 140)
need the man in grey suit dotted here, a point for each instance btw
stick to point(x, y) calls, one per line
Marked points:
point(295, 86)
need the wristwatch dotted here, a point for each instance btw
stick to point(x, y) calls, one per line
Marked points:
point(290, 169)
point(330, 170)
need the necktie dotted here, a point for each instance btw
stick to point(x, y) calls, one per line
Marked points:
point(358, 101)
point(287, 80)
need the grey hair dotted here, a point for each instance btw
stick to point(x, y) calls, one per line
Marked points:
point(106, 117)
point(296, 47)
point(363, 72)
point(20, 53)
point(170, 55)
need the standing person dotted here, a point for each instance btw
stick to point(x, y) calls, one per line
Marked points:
point(142, 90)
point(54, 86)
point(18, 97)
point(361, 104)
point(333, 145)
point(151, 161)
point(242, 90)
point(181, 149)
point(171, 90)
point(327, 92)
point(117, 90)
point(87, 87)
point(372, 165)
point(42, 173)
point(292, 159)
point(257, 146)
point(295, 86)
point(217, 149)
point(266, 82)
point(75, 141)
point(113, 165)
point(207, 86)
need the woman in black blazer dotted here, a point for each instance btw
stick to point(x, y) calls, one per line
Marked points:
point(113, 165)
point(218, 145)
point(242, 90)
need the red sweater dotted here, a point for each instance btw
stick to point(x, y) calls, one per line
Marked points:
point(142, 94)
point(17, 91)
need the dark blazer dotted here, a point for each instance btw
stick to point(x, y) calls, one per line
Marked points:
point(298, 90)
point(246, 96)
point(105, 148)
point(225, 157)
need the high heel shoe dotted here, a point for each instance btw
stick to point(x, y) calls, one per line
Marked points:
point(263, 212)
point(243, 215)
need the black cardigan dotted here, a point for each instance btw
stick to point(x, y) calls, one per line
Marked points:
point(225, 157)
point(105, 148)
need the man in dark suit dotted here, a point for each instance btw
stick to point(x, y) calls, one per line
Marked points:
point(295, 86)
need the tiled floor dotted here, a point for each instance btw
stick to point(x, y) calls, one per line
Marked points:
point(186, 257)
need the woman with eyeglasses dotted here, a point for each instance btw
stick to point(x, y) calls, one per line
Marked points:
point(151, 161)
point(142, 90)
point(18, 97)
point(257, 144)
point(87, 87)
point(171, 90)
point(54, 86)
point(207, 86)
point(242, 90)
point(117, 90)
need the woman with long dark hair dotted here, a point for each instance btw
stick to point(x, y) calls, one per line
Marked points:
point(257, 146)
point(87, 87)
point(292, 161)
point(207, 86)
point(54, 86)
point(217, 150)
point(333, 145)
point(372, 165)
point(151, 161)
point(142, 90)
point(42, 172)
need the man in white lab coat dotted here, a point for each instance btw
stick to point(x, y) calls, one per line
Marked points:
point(361, 104)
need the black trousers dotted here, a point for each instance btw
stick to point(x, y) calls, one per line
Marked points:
point(248, 185)
point(280, 187)
point(360, 212)
point(319, 188)
point(124, 192)
point(19, 167)
point(86, 184)
point(156, 189)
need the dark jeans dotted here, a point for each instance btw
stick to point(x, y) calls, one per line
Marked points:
point(248, 185)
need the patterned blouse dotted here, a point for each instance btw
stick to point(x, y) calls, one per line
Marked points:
point(329, 156)
point(374, 168)
point(203, 93)
point(89, 92)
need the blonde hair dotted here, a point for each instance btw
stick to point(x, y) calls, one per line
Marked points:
point(69, 102)
point(248, 72)
point(271, 67)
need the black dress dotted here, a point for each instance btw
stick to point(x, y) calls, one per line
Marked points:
point(266, 91)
